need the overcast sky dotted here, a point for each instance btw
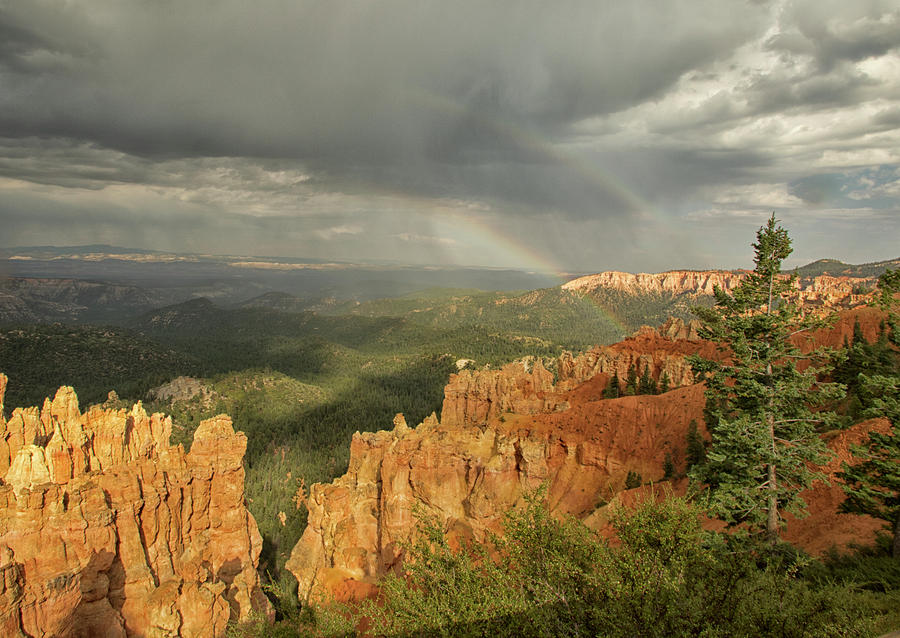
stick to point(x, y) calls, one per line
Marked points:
point(557, 135)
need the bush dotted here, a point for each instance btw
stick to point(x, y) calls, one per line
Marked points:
point(545, 577)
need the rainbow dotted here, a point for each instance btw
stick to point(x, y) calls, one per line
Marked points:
point(474, 227)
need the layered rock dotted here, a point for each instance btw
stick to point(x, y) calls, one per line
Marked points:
point(107, 530)
point(504, 432)
point(674, 282)
point(822, 291)
point(477, 397)
point(469, 475)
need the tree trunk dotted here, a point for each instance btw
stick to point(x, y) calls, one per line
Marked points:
point(772, 519)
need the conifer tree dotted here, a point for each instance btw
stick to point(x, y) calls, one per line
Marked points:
point(668, 466)
point(663, 386)
point(873, 486)
point(613, 389)
point(646, 385)
point(631, 382)
point(758, 403)
point(696, 449)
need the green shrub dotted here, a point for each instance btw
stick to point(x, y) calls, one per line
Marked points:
point(546, 577)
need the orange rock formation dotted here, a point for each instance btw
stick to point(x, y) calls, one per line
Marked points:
point(107, 530)
point(503, 432)
point(821, 291)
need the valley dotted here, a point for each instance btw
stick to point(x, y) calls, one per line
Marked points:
point(511, 389)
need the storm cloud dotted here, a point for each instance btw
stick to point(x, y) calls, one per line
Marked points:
point(598, 135)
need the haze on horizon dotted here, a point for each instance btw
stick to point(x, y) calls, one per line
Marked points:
point(566, 136)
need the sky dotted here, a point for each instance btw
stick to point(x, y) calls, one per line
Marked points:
point(558, 135)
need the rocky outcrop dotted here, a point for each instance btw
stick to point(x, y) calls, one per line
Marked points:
point(107, 530)
point(501, 432)
point(477, 397)
point(674, 282)
point(504, 432)
point(468, 475)
point(823, 291)
point(646, 351)
point(675, 329)
point(480, 396)
point(182, 389)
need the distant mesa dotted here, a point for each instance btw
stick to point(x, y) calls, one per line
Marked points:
point(815, 291)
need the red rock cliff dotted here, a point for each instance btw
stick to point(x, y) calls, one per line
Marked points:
point(501, 432)
point(107, 530)
point(468, 476)
point(506, 431)
point(821, 291)
point(528, 387)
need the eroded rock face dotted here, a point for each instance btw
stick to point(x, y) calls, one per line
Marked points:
point(107, 530)
point(822, 291)
point(504, 432)
point(476, 397)
point(468, 474)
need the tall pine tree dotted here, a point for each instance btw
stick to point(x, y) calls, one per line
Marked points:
point(758, 402)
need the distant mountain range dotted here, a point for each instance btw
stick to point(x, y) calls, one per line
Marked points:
point(836, 268)
point(110, 284)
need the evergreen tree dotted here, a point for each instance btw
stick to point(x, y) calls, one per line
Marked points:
point(758, 403)
point(696, 448)
point(613, 389)
point(858, 336)
point(663, 384)
point(873, 486)
point(861, 357)
point(646, 385)
point(631, 383)
point(668, 467)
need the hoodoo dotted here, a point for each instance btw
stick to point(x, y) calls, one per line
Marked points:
point(108, 530)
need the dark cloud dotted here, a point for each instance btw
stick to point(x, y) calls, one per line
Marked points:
point(332, 82)
point(296, 122)
point(836, 32)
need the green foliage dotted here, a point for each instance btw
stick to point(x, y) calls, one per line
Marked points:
point(838, 268)
point(631, 382)
point(614, 389)
point(759, 404)
point(666, 577)
point(858, 361)
point(869, 574)
point(668, 467)
point(646, 385)
point(634, 310)
point(871, 568)
point(553, 314)
point(696, 447)
point(39, 359)
point(298, 431)
point(873, 485)
point(663, 383)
